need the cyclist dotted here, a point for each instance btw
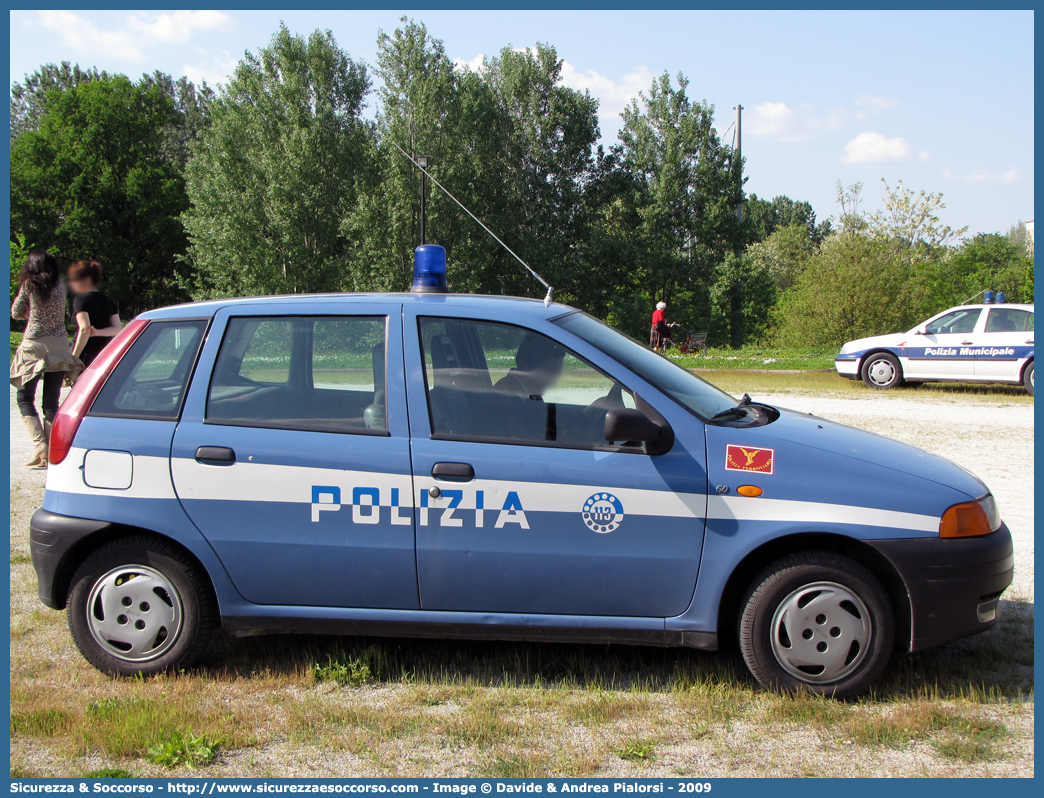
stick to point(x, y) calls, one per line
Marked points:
point(661, 330)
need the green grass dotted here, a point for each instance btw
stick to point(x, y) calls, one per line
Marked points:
point(759, 357)
point(344, 670)
point(109, 773)
point(639, 751)
point(184, 749)
point(16, 340)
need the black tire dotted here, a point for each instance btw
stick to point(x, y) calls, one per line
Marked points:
point(881, 370)
point(773, 604)
point(170, 610)
point(1027, 377)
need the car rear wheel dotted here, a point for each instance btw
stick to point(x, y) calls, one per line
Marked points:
point(1027, 378)
point(882, 370)
point(819, 622)
point(139, 606)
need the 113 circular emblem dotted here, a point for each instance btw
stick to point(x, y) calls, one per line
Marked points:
point(603, 512)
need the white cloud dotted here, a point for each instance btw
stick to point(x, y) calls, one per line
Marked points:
point(177, 27)
point(214, 71)
point(780, 121)
point(875, 148)
point(875, 102)
point(613, 96)
point(130, 40)
point(83, 36)
point(983, 176)
point(475, 64)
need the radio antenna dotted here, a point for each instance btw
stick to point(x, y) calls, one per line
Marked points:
point(541, 280)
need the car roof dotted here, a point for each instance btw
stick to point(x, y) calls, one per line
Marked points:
point(208, 308)
point(1014, 305)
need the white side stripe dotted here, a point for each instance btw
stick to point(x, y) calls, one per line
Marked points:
point(272, 483)
point(151, 478)
point(261, 482)
point(747, 509)
point(565, 498)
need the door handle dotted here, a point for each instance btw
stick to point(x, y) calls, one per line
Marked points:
point(1030, 342)
point(453, 472)
point(215, 455)
point(966, 343)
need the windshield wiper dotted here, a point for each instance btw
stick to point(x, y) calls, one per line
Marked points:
point(734, 412)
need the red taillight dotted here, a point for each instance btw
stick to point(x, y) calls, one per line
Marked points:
point(86, 389)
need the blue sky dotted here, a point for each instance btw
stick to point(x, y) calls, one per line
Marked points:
point(940, 100)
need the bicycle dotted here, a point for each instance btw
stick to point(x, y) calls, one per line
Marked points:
point(694, 343)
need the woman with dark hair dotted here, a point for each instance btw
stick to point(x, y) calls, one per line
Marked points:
point(44, 354)
point(97, 319)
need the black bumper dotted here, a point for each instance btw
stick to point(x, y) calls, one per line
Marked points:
point(51, 538)
point(954, 584)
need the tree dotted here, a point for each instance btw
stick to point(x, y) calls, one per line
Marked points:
point(430, 107)
point(764, 217)
point(19, 254)
point(688, 189)
point(985, 262)
point(741, 299)
point(854, 286)
point(193, 106)
point(273, 180)
point(849, 199)
point(911, 218)
point(29, 99)
point(1019, 235)
point(93, 182)
point(783, 255)
point(508, 140)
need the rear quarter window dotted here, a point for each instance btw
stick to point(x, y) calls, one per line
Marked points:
point(150, 380)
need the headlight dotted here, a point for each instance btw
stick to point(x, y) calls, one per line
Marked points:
point(970, 519)
point(989, 506)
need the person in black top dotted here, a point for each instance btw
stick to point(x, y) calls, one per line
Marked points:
point(97, 319)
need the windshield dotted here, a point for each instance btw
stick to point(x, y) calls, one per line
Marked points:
point(694, 394)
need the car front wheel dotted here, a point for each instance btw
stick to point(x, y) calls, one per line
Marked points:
point(1027, 378)
point(882, 370)
point(817, 621)
point(140, 606)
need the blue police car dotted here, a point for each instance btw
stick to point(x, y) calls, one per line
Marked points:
point(991, 342)
point(431, 464)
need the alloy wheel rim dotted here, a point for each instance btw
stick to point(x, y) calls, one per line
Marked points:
point(134, 613)
point(821, 632)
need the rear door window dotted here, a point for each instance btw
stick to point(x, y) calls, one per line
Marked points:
point(323, 373)
point(150, 379)
point(1009, 320)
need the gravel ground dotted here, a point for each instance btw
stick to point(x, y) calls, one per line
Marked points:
point(989, 436)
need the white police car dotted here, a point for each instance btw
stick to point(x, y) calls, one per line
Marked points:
point(431, 464)
point(971, 343)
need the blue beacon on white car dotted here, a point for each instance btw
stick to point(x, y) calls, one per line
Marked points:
point(458, 466)
point(991, 342)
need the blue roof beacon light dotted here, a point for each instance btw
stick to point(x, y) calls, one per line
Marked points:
point(988, 299)
point(1001, 298)
point(429, 270)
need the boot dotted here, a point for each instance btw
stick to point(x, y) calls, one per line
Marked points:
point(39, 440)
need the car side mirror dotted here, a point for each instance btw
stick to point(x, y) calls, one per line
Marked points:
point(625, 424)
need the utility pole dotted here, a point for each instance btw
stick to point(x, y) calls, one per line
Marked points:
point(422, 162)
point(739, 155)
point(736, 320)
